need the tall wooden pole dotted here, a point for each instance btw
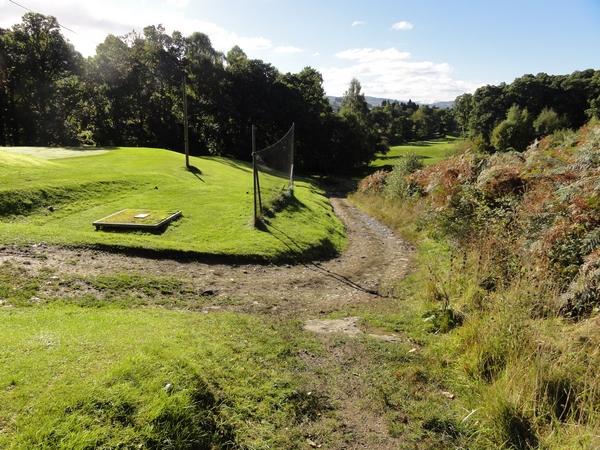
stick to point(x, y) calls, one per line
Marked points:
point(185, 125)
point(255, 174)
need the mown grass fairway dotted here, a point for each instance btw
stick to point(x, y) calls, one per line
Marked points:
point(56, 201)
point(431, 152)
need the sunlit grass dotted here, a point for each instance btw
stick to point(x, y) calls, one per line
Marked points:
point(106, 378)
point(57, 201)
point(431, 152)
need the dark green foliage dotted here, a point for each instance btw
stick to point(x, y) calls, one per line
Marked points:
point(443, 426)
point(442, 320)
point(514, 428)
point(515, 132)
point(548, 122)
point(40, 73)
point(566, 256)
point(572, 98)
point(403, 122)
point(130, 93)
point(561, 396)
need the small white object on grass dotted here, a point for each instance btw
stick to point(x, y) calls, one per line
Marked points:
point(141, 216)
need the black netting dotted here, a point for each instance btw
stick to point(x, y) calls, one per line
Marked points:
point(278, 159)
point(274, 172)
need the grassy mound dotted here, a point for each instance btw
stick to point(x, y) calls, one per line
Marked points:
point(57, 200)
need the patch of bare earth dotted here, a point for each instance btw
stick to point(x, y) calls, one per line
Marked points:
point(364, 275)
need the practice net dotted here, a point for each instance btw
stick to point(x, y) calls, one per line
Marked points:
point(273, 173)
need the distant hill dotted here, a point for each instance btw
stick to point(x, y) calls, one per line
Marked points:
point(336, 102)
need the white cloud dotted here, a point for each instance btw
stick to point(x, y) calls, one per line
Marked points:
point(288, 49)
point(358, 23)
point(178, 3)
point(402, 26)
point(391, 74)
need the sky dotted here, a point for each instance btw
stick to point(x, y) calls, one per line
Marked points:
point(423, 50)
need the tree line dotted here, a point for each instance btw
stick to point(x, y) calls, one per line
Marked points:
point(130, 94)
point(511, 116)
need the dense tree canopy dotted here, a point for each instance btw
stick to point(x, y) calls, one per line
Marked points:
point(40, 71)
point(551, 101)
point(402, 122)
point(131, 93)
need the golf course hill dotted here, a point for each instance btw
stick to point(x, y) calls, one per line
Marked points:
point(56, 195)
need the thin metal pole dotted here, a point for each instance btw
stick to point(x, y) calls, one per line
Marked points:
point(254, 173)
point(185, 125)
point(292, 168)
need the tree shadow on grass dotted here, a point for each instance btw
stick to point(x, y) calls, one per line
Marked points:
point(197, 172)
point(236, 163)
point(325, 249)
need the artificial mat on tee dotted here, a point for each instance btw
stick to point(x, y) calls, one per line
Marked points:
point(141, 219)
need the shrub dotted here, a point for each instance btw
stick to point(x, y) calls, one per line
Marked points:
point(396, 184)
point(374, 183)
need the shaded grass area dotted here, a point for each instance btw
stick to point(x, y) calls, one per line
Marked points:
point(56, 202)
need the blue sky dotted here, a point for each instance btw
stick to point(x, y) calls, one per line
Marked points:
point(424, 50)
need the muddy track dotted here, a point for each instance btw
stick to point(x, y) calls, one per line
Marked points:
point(374, 259)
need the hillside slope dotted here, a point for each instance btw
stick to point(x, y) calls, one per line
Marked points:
point(56, 201)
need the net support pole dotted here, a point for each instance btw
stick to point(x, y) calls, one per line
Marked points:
point(255, 176)
point(185, 125)
point(292, 167)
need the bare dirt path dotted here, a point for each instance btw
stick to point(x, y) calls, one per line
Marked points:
point(364, 274)
point(374, 259)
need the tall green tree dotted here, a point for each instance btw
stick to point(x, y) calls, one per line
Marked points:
point(205, 71)
point(490, 105)
point(353, 101)
point(463, 105)
point(308, 108)
point(515, 132)
point(36, 59)
point(360, 140)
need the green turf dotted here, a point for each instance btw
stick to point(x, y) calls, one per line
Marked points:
point(77, 378)
point(431, 152)
point(56, 201)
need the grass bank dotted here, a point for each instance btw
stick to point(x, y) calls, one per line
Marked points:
point(56, 200)
point(503, 301)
